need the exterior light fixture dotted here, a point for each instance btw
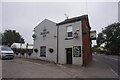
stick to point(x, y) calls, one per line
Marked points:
point(75, 35)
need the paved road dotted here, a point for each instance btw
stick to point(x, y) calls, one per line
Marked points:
point(112, 61)
point(19, 68)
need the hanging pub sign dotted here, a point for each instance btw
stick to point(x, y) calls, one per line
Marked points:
point(77, 51)
point(93, 35)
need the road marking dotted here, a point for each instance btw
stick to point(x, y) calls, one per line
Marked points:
point(112, 58)
point(114, 71)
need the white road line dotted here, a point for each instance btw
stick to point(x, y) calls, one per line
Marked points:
point(114, 71)
point(112, 58)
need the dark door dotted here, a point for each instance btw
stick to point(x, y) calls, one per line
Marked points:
point(69, 55)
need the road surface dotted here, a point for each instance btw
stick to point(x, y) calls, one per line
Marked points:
point(112, 61)
point(101, 67)
point(19, 68)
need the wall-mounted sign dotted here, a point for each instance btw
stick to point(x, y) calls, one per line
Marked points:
point(93, 35)
point(45, 32)
point(77, 51)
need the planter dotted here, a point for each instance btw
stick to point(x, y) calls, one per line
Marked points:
point(51, 50)
point(36, 50)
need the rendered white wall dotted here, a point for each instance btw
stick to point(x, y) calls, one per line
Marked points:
point(69, 43)
point(50, 40)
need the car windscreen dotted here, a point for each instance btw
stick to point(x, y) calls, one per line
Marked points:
point(4, 48)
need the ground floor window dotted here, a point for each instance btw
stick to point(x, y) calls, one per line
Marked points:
point(43, 51)
point(77, 51)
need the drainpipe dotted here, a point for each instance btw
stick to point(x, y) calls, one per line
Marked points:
point(57, 42)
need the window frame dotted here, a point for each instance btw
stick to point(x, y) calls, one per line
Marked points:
point(69, 31)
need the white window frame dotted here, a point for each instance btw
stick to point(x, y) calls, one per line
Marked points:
point(69, 29)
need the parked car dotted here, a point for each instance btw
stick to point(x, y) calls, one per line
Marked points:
point(6, 52)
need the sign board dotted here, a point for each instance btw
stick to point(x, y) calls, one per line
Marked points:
point(44, 33)
point(77, 51)
point(93, 35)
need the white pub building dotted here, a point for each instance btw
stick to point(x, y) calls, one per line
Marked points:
point(67, 42)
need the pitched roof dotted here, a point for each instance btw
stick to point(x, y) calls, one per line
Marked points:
point(44, 21)
point(73, 19)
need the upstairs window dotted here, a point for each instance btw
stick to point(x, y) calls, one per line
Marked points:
point(69, 31)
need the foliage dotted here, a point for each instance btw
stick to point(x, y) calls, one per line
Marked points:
point(11, 36)
point(100, 39)
point(110, 36)
point(95, 49)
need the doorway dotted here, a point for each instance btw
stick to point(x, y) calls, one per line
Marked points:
point(69, 55)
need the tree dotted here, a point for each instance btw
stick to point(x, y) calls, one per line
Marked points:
point(110, 36)
point(96, 49)
point(11, 36)
point(100, 39)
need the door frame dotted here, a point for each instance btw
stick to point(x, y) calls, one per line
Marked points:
point(71, 55)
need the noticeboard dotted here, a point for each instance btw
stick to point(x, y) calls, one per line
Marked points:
point(77, 51)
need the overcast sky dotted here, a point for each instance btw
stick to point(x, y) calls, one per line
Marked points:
point(24, 16)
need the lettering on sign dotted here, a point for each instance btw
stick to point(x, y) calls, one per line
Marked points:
point(45, 32)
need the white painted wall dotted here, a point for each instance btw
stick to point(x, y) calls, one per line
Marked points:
point(69, 43)
point(50, 41)
point(0, 69)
